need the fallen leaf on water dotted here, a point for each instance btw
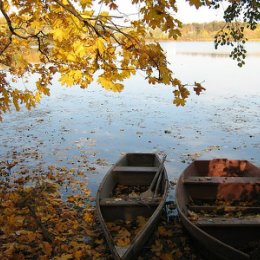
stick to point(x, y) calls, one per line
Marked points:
point(88, 216)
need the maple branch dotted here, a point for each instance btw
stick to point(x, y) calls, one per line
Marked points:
point(13, 32)
point(7, 18)
point(9, 22)
point(71, 9)
point(40, 45)
point(7, 45)
point(99, 12)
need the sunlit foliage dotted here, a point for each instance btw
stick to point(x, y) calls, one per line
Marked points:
point(86, 40)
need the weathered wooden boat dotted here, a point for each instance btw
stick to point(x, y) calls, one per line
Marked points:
point(219, 205)
point(132, 170)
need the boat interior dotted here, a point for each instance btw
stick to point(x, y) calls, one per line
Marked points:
point(133, 171)
point(222, 197)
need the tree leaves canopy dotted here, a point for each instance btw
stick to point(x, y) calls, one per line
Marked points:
point(79, 44)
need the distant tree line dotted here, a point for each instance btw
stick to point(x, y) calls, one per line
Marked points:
point(202, 32)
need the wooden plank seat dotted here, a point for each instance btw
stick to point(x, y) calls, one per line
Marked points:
point(129, 202)
point(200, 180)
point(244, 221)
point(210, 209)
point(135, 169)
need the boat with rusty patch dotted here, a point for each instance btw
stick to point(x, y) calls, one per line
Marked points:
point(219, 204)
point(143, 178)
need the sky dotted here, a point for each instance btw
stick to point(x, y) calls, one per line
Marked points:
point(189, 14)
point(186, 13)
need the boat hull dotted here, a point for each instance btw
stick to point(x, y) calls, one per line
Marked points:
point(131, 170)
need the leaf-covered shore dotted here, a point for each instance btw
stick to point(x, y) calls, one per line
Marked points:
point(51, 215)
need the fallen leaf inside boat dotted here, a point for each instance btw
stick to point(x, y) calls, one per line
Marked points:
point(124, 231)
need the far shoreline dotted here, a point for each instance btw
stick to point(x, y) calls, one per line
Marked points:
point(191, 40)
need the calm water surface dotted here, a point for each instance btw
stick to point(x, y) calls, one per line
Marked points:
point(82, 128)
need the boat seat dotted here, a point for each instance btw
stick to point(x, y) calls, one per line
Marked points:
point(200, 180)
point(210, 209)
point(244, 221)
point(135, 169)
point(129, 202)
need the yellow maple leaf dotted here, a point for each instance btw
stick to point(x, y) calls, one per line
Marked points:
point(36, 25)
point(87, 13)
point(109, 85)
point(100, 45)
point(196, 3)
point(176, 82)
point(198, 88)
point(58, 34)
point(88, 217)
point(179, 101)
point(76, 74)
point(79, 49)
point(38, 97)
point(85, 3)
point(66, 79)
point(71, 57)
point(184, 92)
point(6, 6)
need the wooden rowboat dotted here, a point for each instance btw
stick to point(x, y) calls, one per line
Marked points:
point(132, 171)
point(219, 205)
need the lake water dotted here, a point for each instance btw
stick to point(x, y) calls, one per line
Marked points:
point(90, 129)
